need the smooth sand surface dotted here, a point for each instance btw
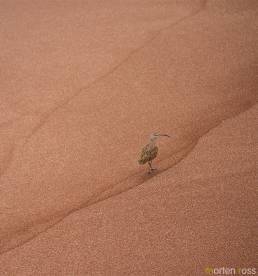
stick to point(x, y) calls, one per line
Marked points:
point(83, 84)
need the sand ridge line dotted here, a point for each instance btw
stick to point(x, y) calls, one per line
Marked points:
point(115, 190)
point(60, 219)
point(122, 186)
point(46, 117)
point(138, 178)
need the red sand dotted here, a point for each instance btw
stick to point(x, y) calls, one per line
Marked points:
point(83, 85)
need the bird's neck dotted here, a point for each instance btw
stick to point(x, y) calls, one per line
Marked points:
point(152, 143)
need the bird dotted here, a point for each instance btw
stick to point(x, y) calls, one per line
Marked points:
point(150, 151)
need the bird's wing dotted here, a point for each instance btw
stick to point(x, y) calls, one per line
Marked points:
point(148, 154)
point(154, 152)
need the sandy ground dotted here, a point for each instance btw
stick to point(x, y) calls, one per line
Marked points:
point(83, 84)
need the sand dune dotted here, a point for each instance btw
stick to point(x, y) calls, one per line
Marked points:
point(198, 214)
point(83, 85)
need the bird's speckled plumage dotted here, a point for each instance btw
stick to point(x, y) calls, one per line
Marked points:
point(149, 152)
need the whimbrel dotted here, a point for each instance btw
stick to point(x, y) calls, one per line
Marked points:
point(150, 151)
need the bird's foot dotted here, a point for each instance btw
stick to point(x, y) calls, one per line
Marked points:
point(152, 170)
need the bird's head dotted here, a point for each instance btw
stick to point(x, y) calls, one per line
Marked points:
point(155, 136)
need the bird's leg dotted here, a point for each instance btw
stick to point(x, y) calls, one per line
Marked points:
point(151, 168)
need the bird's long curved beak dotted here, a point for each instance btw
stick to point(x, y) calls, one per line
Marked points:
point(164, 135)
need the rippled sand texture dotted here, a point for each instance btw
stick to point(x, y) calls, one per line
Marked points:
point(83, 84)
